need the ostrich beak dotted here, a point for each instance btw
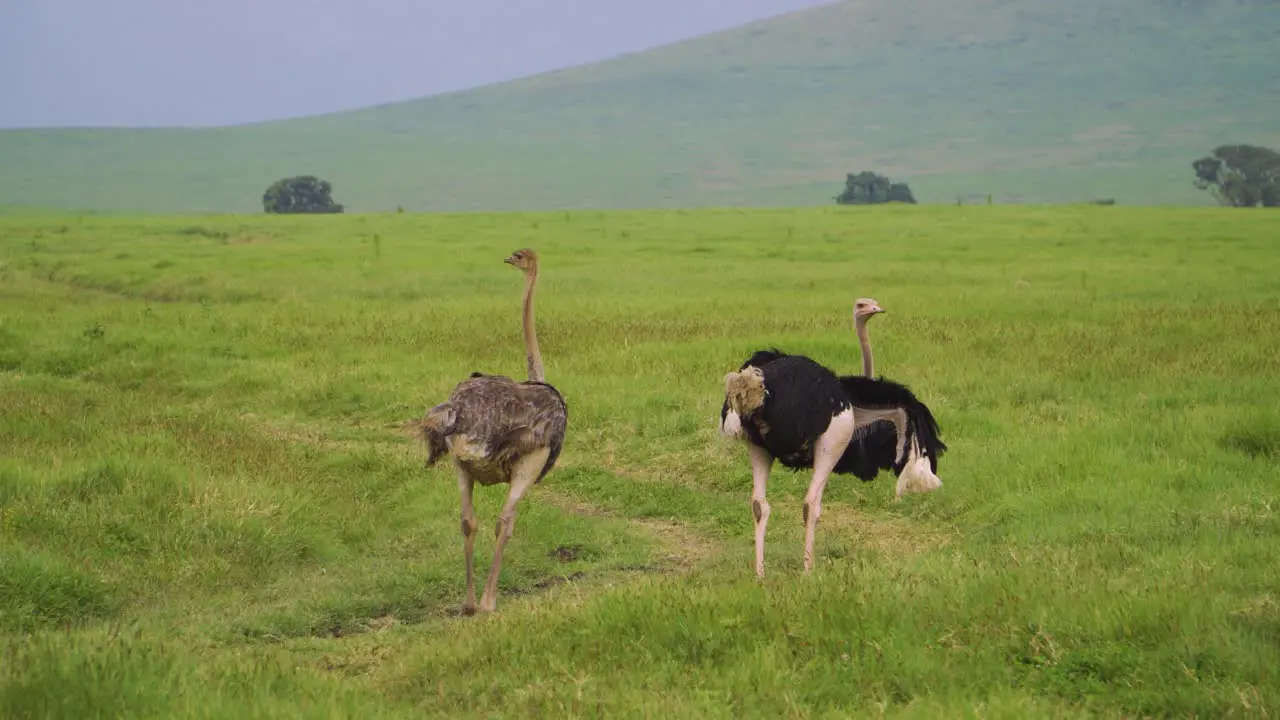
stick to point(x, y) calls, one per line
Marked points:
point(511, 260)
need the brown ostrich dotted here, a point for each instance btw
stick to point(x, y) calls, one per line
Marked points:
point(499, 431)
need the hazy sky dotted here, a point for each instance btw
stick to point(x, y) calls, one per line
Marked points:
point(176, 62)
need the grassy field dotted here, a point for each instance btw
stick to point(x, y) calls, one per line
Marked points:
point(208, 508)
point(1030, 101)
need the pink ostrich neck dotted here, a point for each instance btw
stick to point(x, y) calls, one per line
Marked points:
point(868, 364)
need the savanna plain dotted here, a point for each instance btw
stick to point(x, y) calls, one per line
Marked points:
point(212, 505)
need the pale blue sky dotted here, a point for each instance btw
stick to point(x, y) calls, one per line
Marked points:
point(174, 62)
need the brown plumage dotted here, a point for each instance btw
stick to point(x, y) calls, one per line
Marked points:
point(499, 430)
point(501, 420)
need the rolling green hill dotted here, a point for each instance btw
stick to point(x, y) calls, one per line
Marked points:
point(1030, 101)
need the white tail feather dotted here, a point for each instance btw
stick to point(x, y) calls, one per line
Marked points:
point(917, 476)
point(732, 425)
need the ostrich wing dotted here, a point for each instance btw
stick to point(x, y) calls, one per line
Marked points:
point(506, 419)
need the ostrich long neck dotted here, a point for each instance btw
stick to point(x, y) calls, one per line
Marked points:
point(531, 354)
point(868, 364)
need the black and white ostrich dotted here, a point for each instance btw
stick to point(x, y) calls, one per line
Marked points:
point(499, 431)
point(875, 448)
point(792, 409)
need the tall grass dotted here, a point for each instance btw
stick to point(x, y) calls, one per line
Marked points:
point(207, 506)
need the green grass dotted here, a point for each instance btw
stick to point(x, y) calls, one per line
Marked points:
point(1029, 101)
point(207, 506)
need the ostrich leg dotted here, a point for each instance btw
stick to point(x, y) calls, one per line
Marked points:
point(469, 527)
point(761, 462)
point(826, 453)
point(523, 475)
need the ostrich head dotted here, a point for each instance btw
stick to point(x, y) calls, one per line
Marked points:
point(525, 259)
point(865, 308)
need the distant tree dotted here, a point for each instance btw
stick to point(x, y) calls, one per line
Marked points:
point(868, 188)
point(1240, 175)
point(301, 194)
point(1270, 195)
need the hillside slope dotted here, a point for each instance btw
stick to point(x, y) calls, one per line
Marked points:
point(1029, 101)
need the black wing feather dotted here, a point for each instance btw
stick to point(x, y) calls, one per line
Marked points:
point(876, 447)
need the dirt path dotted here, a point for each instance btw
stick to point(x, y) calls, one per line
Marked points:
point(682, 547)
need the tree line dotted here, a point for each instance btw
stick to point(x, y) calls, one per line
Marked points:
point(1236, 176)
